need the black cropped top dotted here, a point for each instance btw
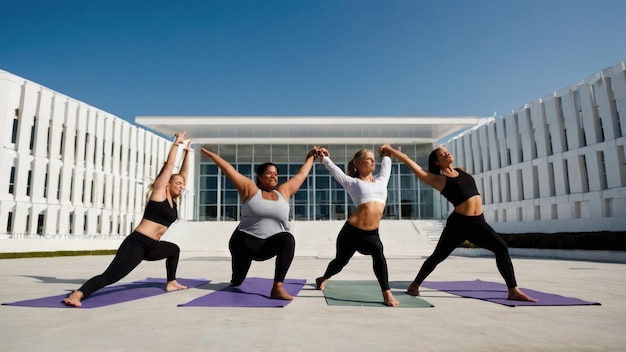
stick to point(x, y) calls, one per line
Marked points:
point(459, 189)
point(161, 212)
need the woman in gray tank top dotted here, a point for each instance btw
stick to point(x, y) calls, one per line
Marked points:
point(263, 232)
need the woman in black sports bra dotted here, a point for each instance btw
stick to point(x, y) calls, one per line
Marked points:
point(145, 242)
point(465, 222)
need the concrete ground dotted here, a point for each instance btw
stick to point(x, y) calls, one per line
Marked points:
point(308, 323)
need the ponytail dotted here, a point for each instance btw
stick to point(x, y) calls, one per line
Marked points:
point(433, 168)
point(352, 170)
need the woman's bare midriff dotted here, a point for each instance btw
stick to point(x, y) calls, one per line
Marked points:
point(471, 207)
point(151, 229)
point(367, 216)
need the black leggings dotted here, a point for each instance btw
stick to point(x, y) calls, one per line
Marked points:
point(475, 229)
point(245, 248)
point(352, 239)
point(135, 248)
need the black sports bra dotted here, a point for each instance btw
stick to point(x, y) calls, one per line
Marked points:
point(161, 212)
point(459, 189)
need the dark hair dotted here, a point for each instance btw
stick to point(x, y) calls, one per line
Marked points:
point(433, 168)
point(352, 170)
point(261, 169)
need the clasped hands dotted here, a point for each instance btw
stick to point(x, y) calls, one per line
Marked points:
point(180, 138)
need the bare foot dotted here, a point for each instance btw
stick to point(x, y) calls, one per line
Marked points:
point(389, 300)
point(414, 289)
point(74, 299)
point(516, 294)
point(320, 282)
point(174, 286)
point(278, 292)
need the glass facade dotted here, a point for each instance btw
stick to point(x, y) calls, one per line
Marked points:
point(320, 197)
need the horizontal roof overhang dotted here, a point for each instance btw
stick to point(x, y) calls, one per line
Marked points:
point(309, 129)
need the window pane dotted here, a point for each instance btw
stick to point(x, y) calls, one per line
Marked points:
point(208, 182)
point(208, 169)
point(208, 197)
point(207, 212)
point(231, 197)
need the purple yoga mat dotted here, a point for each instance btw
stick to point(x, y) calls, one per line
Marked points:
point(497, 292)
point(111, 294)
point(253, 292)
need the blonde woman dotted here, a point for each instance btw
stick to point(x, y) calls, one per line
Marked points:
point(360, 232)
point(144, 243)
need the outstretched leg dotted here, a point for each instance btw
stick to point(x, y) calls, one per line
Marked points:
point(486, 237)
point(346, 247)
point(450, 238)
point(128, 256)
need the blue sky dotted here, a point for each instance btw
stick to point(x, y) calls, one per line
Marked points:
point(310, 57)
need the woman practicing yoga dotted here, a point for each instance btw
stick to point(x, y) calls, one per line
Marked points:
point(145, 242)
point(465, 222)
point(263, 232)
point(360, 232)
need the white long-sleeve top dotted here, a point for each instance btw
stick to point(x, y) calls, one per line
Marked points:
point(363, 191)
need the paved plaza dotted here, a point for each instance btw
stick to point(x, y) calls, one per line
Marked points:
point(308, 323)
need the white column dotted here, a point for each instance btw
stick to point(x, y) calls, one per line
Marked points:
point(512, 137)
point(99, 140)
point(81, 132)
point(494, 146)
point(10, 92)
point(555, 124)
point(526, 134)
point(501, 135)
point(57, 125)
point(618, 84)
point(591, 120)
point(540, 128)
point(484, 146)
point(107, 144)
point(571, 123)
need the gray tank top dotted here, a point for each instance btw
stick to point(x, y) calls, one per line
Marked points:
point(263, 218)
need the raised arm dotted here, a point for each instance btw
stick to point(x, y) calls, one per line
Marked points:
point(246, 187)
point(338, 174)
point(184, 167)
point(435, 181)
point(163, 178)
point(289, 188)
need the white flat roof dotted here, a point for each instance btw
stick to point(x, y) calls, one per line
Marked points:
point(309, 129)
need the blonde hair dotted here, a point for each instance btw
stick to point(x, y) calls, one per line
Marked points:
point(358, 156)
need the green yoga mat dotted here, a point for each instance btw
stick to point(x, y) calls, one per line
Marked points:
point(363, 293)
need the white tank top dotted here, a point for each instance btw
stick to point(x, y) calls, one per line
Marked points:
point(263, 218)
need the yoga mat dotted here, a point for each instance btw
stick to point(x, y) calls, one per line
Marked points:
point(253, 292)
point(497, 292)
point(111, 294)
point(364, 293)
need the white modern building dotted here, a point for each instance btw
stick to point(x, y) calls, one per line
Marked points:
point(69, 169)
point(247, 141)
point(556, 164)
